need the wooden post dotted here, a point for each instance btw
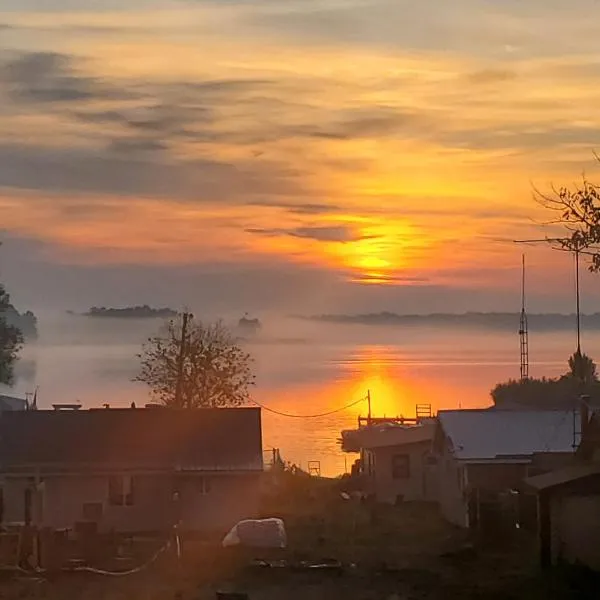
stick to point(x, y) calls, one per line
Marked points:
point(545, 530)
point(180, 360)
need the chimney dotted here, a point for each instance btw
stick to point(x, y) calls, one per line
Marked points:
point(584, 409)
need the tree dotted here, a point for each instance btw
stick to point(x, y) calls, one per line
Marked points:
point(578, 209)
point(551, 393)
point(582, 368)
point(196, 365)
point(10, 341)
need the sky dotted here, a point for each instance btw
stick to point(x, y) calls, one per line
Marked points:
point(302, 155)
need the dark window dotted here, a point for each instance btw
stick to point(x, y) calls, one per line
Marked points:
point(120, 490)
point(401, 466)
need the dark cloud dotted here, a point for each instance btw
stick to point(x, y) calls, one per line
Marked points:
point(227, 86)
point(298, 208)
point(129, 145)
point(324, 233)
point(192, 112)
point(313, 209)
point(157, 117)
point(320, 233)
point(387, 279)
point(85, 170)
point(49, 77)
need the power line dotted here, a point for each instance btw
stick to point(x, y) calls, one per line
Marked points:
point(325, 414)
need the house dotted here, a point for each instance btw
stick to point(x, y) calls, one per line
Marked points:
point(130, 470)
point(569, 515)
point(396, 464)
point(485, 453)
point(568, 502)
point(9, 403)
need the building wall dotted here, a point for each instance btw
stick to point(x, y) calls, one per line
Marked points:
point(496, 477)
point(575, 527)
point(60, 502)
point(420, 484)
point(452, 494)
point(229, 499)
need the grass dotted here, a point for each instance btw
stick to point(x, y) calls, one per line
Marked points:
point(388, 553)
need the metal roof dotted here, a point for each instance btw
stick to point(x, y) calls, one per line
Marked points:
point(225, 439)
point(507, 434)
point(563, 476)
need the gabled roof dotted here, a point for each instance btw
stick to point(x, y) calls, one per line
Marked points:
point(502, 435)
point(226, 439)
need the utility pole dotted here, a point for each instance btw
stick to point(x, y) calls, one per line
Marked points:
point(369, 401)
point(181, 359)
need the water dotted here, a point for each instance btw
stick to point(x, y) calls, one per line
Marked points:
point(303, 368)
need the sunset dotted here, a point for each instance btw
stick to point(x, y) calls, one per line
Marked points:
point(305, 284)
point(366, 144)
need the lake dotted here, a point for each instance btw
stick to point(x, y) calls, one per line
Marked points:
point(303, 368)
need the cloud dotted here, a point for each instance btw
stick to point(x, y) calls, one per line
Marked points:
point(319, 233)
point(49, 77)
point(489, 76)
point(136, 145)
point(299, 208)
point(73, 170)
point(384, 279)
point(370, 122)
point(523, 136)
point(158, 116)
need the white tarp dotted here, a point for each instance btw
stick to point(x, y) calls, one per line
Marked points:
point(257, 533)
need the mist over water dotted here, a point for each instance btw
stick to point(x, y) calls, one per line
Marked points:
point(303, 367)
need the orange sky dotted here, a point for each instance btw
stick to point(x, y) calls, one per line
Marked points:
point(383, 143)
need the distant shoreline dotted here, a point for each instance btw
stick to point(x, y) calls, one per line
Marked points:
point(128, 312)
point(492, 320)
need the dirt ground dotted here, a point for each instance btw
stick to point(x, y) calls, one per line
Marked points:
point(375, 553)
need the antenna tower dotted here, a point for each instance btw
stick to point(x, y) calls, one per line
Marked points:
point(523, 331)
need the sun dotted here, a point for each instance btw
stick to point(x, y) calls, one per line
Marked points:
point(382, 251)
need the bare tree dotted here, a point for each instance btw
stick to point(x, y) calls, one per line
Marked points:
point(578, 209)
point(196, 365)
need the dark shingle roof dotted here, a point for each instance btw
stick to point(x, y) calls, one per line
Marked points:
point(157, 438)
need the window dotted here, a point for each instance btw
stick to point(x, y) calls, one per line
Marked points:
point(401, 466)
point(120, 490)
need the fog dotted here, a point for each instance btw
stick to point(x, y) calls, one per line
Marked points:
point(302, 366)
